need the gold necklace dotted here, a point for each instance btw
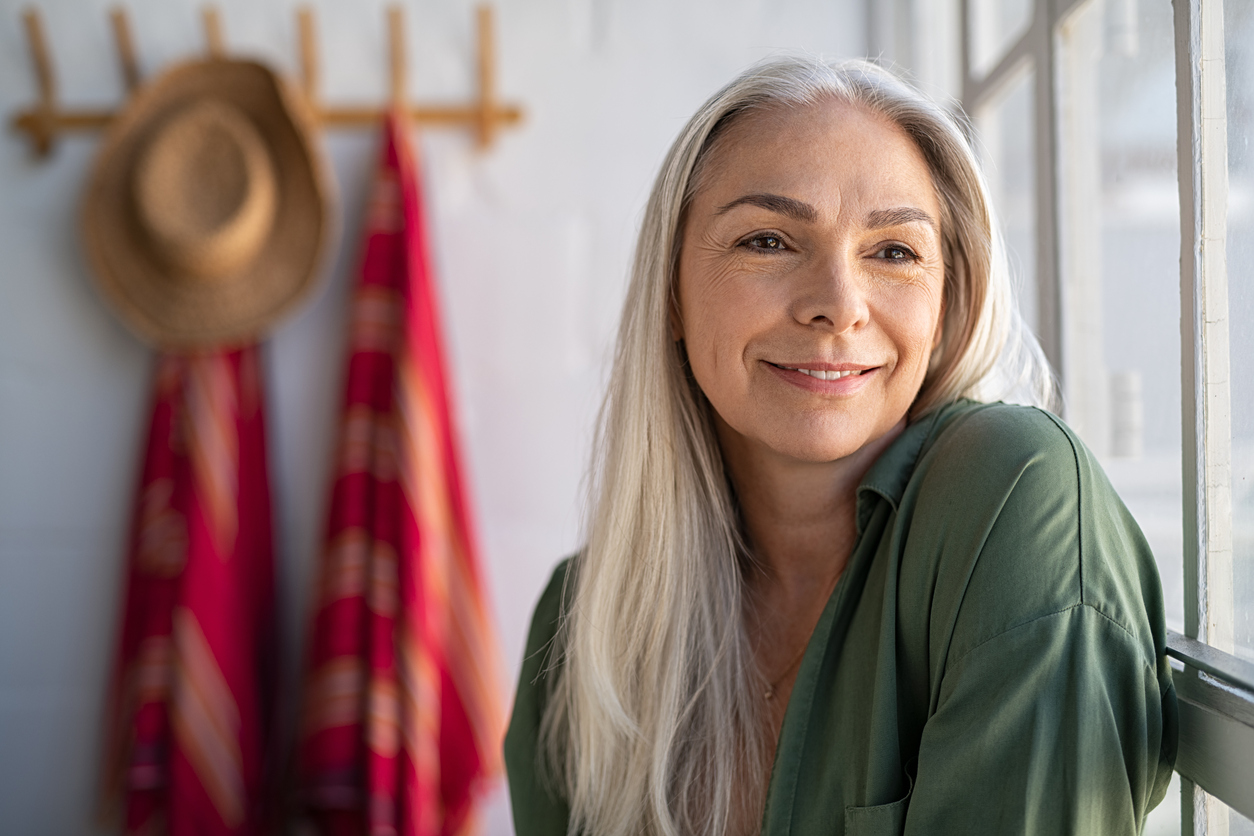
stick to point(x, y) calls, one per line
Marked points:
point(771, 686)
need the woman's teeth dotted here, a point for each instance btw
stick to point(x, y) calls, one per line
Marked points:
point(823, 375)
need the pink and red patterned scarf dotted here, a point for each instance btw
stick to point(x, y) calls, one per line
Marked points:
point(192, 692)
point(403, 715)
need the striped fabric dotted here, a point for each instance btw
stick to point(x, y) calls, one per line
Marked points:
point(403, 715)
point(193, 681)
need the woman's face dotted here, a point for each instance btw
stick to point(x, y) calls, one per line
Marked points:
point(810, 280)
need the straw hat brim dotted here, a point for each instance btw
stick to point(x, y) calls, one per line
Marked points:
point(184, 313)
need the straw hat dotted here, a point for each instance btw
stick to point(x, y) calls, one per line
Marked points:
point(206, 212)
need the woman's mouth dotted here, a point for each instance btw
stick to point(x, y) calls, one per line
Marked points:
point(823, 374)
point(826, 378)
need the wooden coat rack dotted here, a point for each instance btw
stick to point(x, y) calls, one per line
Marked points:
point(485, 116)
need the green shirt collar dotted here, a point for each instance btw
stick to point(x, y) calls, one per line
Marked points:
point(891, 472)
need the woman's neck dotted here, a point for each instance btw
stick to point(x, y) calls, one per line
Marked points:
point(799, 517)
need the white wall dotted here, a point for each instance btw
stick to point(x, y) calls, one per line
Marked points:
point(532, 241)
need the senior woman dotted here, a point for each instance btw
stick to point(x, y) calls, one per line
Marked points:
point(829, 586)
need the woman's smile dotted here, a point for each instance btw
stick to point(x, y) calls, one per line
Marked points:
point(827, 379)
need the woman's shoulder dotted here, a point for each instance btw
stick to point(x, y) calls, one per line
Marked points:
point(534, 679)
point(991, 436)
point(536, 808)
point(1022, 523)
point(980, 455)
point(547, 616)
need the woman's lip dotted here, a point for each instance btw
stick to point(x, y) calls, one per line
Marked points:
point(844, 385)
point(824, 367)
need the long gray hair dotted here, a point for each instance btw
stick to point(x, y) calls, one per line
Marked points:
point(655, 721)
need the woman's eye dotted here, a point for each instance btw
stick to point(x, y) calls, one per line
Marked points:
point(896, 252)
point(764, 242)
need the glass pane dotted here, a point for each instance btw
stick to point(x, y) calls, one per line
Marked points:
point(1164, 820)
point(1120, 263)
point(1238, 825)
point(1007, 140)
point(995, 26)
point(1239, 40)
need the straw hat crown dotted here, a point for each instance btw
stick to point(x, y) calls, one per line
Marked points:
point(206, 213)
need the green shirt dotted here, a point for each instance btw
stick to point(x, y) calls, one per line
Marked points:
point(991, 660)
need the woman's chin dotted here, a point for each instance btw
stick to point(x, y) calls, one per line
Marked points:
point(828, 441)
point(818, 450)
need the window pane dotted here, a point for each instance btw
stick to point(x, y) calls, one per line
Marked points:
point(1120, 265)
point(1238, 825)
point(1164, 820)
point(1006, 129)
point(1239, 59)
point(995, 26)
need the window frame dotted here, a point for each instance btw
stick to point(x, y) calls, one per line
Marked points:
point(1216, 693)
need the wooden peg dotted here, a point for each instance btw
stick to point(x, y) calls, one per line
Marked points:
point(126, 47)
point(39, 54)
point(40, 122)
point(213, 32)
point(396, 52)
point(45, 120)
point(308, 55)
point(486, 118)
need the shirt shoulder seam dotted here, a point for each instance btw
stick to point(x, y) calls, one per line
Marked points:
point(1079, 505)
point(1022, 624)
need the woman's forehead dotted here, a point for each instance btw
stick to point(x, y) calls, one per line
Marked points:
point(828, 152)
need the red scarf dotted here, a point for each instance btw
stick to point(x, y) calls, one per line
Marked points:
point(194, 677)
point(403, 717)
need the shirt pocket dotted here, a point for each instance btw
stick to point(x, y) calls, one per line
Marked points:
point(880, 820)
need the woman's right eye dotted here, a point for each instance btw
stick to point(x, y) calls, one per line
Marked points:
point(764, 241)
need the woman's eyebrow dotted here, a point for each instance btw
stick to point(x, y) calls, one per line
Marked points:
point(802, 211)
point(789, 206)
point(881, 218)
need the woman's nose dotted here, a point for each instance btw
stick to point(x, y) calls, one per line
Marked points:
point(831, 295)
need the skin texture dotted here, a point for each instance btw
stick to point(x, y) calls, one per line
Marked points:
point(813, 240)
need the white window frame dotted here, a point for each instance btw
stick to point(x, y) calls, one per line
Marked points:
point(1216, 712)
point(1216, 689)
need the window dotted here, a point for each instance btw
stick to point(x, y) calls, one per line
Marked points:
point(1117, 135)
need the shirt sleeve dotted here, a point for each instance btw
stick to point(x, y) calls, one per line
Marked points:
point(1052, 706)
point(1052, 727)
point(538, 809)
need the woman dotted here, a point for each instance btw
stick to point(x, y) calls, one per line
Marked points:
point(829, 587)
